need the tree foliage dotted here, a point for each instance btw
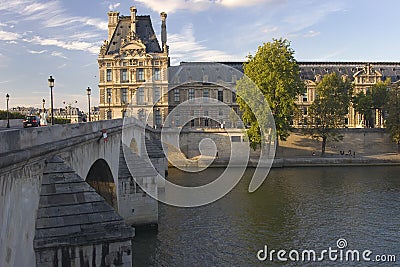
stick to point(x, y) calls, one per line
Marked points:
point(393, 119)
point(328, 112)
point(362, 104)
point(11, 115)
point(276, 73)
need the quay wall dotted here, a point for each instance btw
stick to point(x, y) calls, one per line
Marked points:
point(362, 142)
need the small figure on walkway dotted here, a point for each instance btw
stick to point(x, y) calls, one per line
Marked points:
point(43, 118)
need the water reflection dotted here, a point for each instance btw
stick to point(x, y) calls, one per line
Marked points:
point(295, 208)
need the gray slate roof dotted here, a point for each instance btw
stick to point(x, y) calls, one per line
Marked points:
point(308, 70)
point(144, 30)
point(72, 213)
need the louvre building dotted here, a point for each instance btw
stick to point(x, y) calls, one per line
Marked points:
point(136, 79)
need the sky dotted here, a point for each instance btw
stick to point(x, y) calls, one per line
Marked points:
point(62, 38)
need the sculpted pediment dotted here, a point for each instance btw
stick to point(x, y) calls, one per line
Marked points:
point(309, 82)
point(368, 70)
point(135, 45)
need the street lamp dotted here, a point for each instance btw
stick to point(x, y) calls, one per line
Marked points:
point(51, 85)
point(89, 91)
point(8, 119)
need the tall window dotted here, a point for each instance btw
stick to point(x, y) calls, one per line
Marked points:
point(221, 95)
point(109, 75)
point(157, 94)
point(109, 115)
point(140, 96)
point(124, 96)
point(206, 95)
point(158, 117)
point(157, 74)
point(140, 75)
point(305, 98)
point(176, 95)
point(191, 94)
point(109, 95)
point(124, 75)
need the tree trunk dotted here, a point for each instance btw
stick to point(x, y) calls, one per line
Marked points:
point(398, 147)
point(323, 146)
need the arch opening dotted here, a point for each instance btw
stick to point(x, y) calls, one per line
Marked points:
point(101, 179)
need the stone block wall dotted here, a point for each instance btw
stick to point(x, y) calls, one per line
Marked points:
point(103, 254)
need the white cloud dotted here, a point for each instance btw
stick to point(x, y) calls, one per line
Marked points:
point(9, 36)
point(308, 15)
point(112, 7)
point(270, 29)
point(185, 47)
point(69, 45)
point(62, 66)
point(49, 13)
point(311, 34)
point(240, 3)
point(36, 52)
point(198, 5)
point(58, 54)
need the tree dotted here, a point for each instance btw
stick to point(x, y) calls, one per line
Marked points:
point(328, 112)
point(276, 73)
point(362, 104)
point(11, 115)
point(393, 119)
point(379, 95)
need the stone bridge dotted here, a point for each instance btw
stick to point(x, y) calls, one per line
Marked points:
point(67, 196)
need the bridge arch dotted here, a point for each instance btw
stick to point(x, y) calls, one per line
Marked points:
point(101, 179)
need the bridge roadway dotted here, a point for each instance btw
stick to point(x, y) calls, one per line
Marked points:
point(51, 216)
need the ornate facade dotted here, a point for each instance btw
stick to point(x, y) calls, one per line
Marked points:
point(362, 74)
point(135, 79)
point(132, 68)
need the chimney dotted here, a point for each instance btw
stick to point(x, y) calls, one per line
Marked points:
point(112, 23)
point(133, 19)
point(164, 31)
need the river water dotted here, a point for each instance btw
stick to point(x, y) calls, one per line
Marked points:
point(295, 209)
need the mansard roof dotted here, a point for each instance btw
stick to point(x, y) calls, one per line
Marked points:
point(308, 70)
point(144, 31)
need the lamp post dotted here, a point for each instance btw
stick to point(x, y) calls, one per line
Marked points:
point(44, 102)
point(8, 119)
point(51, 85)
point(89, 91)
point(109, 106)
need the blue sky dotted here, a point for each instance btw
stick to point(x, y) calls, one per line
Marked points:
point(39, 38)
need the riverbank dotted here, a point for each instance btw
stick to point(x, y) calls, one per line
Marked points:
point(389, 159)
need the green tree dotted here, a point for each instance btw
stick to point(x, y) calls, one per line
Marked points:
point(11, 115)
point(276, 73)
point(393, 119)
point(362, 104)
point(379, 95)
point(328, 112)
